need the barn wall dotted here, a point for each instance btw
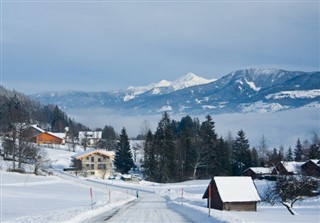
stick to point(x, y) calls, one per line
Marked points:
point(240, 206)
point(47, 139)
point(216, 201)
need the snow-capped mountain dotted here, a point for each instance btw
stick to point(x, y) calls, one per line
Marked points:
point(165, 87)
point(248, 90)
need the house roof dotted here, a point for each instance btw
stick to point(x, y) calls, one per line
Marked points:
point(314, 161)
point(89, 152)
point(235, 189)
point(293, 167)
point(261, 170)
point(37, 128)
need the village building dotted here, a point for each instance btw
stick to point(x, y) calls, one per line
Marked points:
point(90, 138)
point(50, 138)
point(287, 168)
point(94, 163)
point(258, 172)
point(311, 168)
point(232, 194)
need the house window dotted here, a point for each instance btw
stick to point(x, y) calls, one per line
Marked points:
point(87, 165)
point(87, 157)
point(92, 166)
point(92, 159)
point(99, 159)
point(102, 166)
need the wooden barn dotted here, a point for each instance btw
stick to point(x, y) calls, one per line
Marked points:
point(50, 138)
point(258, 172)
point(287, 168)
point(232, 194)
point(311, 168)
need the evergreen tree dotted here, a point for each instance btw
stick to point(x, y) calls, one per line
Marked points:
point(166, 150)
point(314, 152)
point(255, 157)
point(209, 141)
point(298, 151)
point(223, 164)
point(150, 163)
point(289, 155)
point(242, 155)
point(123, 158)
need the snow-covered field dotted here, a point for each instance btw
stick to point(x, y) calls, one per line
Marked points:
point(63, 198)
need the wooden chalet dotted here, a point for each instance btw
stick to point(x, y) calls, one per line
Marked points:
point(232, 194)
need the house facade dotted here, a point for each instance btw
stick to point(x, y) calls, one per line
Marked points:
point(90, 138)
point(232, 194)
point(94, 163)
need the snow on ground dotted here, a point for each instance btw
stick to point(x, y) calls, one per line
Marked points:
point(30, 198)
point(63, 198)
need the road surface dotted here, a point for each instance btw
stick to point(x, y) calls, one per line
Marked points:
point(148, 208)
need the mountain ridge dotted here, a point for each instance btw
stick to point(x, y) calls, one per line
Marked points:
point(248, 90)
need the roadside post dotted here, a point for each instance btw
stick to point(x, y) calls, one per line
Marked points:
point(181, 195)
point(209, 205)
point(91, 198)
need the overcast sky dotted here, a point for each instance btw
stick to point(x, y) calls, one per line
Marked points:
point(109, 45)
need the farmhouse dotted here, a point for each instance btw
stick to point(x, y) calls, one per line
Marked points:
point(258, 172)
point(232, 194)
point(50, 138)
point(94, 162)
point(311, 168)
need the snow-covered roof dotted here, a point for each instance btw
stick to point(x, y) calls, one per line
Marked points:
point(236, 189)
point(315, 161)
point(37, 128)
point(89, 152)
point(293, 166)
point(261, 170)
point(58, 134)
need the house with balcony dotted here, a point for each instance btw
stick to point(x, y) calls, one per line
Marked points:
point(94, 163)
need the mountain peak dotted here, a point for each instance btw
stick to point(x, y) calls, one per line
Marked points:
point(189, 80)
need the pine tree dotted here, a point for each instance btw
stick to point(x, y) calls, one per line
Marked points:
point(242, 156)
point(298, 151)
point(123, 159)
point(209, 142)
point(289, 155)
point(150, 163)
point(166, 150)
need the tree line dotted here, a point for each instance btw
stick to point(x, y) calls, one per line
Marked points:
point(188, 149)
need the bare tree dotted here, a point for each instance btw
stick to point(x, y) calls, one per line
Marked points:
point(289, 189)
point(40, 159)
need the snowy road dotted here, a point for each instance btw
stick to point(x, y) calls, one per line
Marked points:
point(148, 208)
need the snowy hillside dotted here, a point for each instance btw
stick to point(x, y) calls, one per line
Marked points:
point(66, 198)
